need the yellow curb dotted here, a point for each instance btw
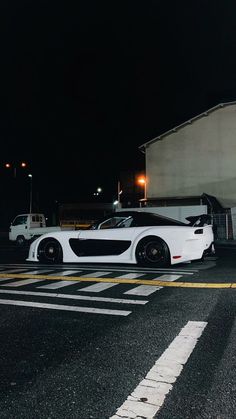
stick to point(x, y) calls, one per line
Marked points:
point(123, 281)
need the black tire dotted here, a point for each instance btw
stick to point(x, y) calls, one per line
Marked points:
point(152, 252)
point(20, 241)
point(50, 251)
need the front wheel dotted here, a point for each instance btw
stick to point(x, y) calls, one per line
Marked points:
point(152, 252)
point(20, 241)
point(50, 251)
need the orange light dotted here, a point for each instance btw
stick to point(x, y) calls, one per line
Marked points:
point(142, 180)
point(7, 165)
point(23, 164)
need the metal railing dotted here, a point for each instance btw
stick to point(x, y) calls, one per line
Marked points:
point(224, 226)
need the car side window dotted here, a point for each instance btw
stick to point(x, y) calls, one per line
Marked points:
point(125, 223)
point(112, 222)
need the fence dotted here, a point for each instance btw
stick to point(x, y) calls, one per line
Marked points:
point(224, 226)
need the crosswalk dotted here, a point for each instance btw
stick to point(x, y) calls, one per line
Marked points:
point(72, 284)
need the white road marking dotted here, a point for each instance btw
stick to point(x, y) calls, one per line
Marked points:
point(131, 275)
point(58, 284)
point(96, 274)
point(39, 271)
point(149, 395)
point(100, 286)
point(145, 290)
point(75, 297)
point(14, 271)
point(4, 279)
point(22, 282)
point(66, 308)
point(65, 273)
point(167, 278)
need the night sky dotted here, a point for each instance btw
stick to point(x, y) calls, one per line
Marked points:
point(85, 83)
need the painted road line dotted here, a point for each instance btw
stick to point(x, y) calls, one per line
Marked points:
point(66, 308)
point(68, 272)
point(56, 285)
point(131, 275)
point(76, 297)
point(23, 282)
point(145, 290)
point(39, 271)
point(168, 278)
point(148, 397)
point(4, 279)
point(97, 287)
point(183, 271)
point(127, 281)
point(11, 271)
point(96, 274)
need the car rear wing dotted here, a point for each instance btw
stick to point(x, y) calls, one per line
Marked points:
point(199, 220)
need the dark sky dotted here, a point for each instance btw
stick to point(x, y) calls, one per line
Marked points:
point(84, 83)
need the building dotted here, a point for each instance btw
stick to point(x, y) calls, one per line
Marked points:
point(195, 158)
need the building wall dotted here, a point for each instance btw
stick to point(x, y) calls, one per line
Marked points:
point(199, 157)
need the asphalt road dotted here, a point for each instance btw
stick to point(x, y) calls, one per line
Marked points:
point(121, 348)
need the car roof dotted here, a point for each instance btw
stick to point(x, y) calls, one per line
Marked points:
point(139, 214)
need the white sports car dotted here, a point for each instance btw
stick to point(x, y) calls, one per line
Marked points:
point(136, 237)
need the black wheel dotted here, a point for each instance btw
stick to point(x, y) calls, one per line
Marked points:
point(153, 252)
point(50, 251)
point(20, 241)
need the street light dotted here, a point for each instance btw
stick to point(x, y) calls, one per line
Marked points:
point(31, 191)
point(143, 181)
point(22, 164)
point(119, 192)
point(99, 191)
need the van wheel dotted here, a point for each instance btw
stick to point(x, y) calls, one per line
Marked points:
point(50, 251)
point(20, 241)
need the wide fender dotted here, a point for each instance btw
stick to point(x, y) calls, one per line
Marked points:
point(167, 235)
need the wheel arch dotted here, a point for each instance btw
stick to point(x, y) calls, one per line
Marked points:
point(148, 237)
point(45, 243)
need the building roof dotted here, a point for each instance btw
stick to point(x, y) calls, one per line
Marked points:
point(189, 121)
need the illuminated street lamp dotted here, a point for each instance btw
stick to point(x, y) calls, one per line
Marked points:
point(119, 192)
point(14, 167)
point(99, 191)
point(31, 191)
point(143, 181)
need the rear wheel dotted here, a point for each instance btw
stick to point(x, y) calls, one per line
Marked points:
point(152, 252)
point(50, 251)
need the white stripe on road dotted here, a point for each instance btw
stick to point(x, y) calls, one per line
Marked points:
point(66, 308)
point(65, 273)
point(100, 286)
point(129, 276)
point(39, 271)
point(75, 297)
point(169, 278)
point(96, 274)
point(58, 284)
point(4, 279)
point(22, 282)
point(145, 290)
point(149, 395)
point(14, 271)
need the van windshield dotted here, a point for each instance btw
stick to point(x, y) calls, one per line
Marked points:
point(20, 219)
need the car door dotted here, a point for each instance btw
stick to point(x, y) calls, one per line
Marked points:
point(107, 243)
